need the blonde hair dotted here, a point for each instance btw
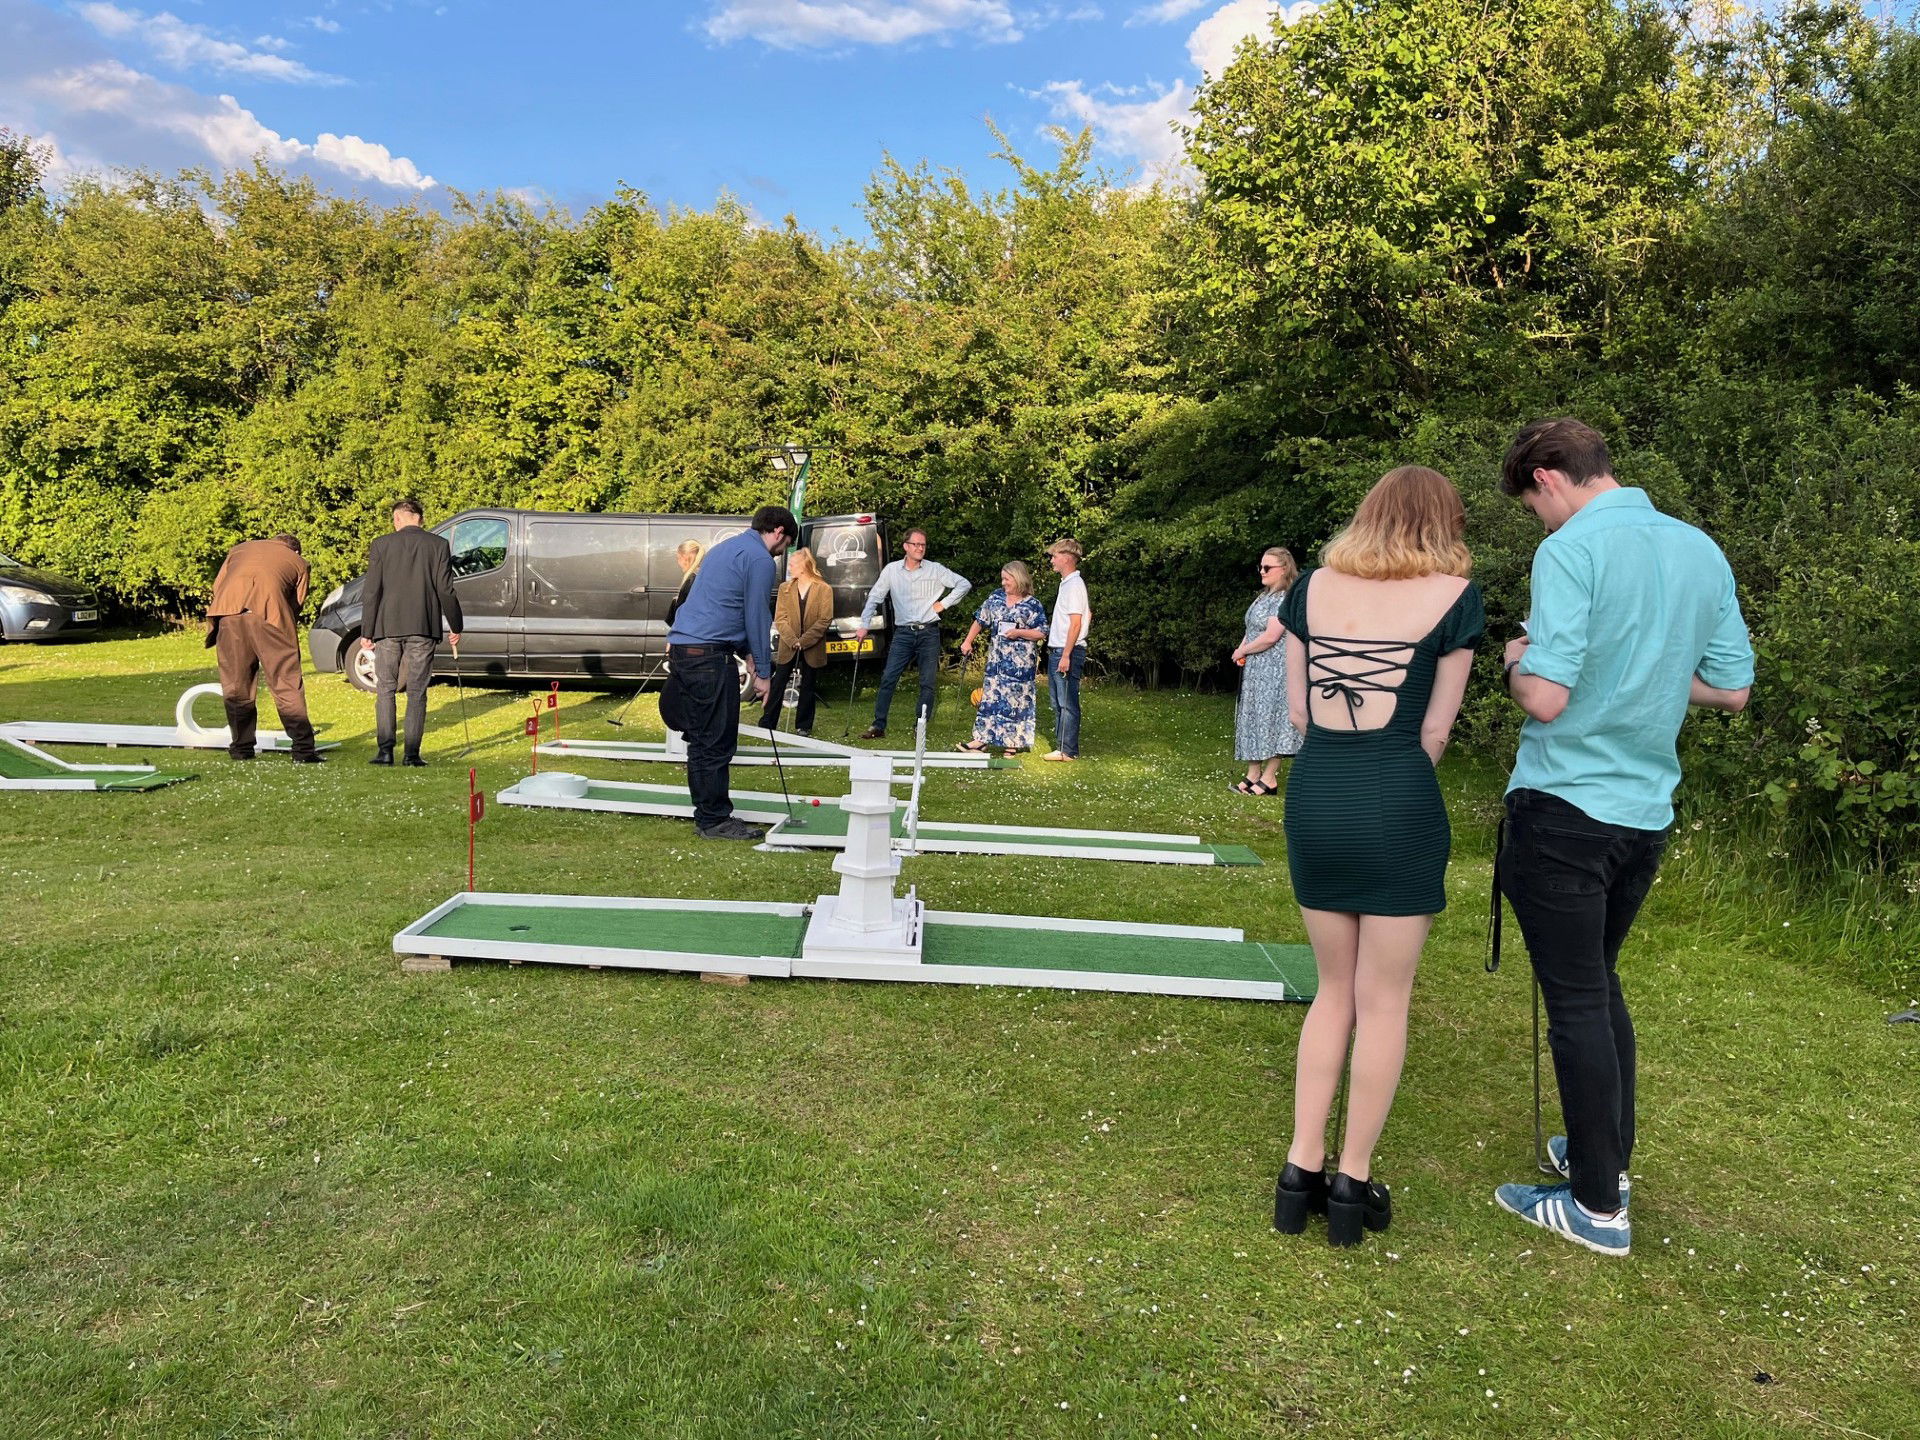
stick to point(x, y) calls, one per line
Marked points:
point(1022, 576)
point(1412, 523)
point(1285, 557)
point(691, 548)
point(802, 560)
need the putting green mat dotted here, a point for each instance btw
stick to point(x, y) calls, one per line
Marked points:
point(1111, 954)
point(692, 932)
point(18, 764)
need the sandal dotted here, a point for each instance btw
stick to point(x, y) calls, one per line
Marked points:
point(972, 747)
point(1257, 788)
point(1246, 787)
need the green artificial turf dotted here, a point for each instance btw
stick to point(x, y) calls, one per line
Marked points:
point(1105, 954)
point(18, 764)
point(697, 932)
point(255, 1181)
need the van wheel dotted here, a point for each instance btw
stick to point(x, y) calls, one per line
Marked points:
point(746, 682)
point(356, 665)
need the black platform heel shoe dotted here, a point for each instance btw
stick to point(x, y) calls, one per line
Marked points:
point(1297, 1194)
point(1353, 1204)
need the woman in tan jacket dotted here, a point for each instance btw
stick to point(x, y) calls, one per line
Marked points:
point(802, 613)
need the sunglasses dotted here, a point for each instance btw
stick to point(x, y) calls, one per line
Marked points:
point(1273, 567)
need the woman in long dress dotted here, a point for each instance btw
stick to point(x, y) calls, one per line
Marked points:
point(1263, 734)
point(1016, 623)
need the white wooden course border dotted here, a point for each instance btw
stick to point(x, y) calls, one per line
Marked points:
point(186, 733)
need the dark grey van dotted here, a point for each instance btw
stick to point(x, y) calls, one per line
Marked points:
point(555, 596)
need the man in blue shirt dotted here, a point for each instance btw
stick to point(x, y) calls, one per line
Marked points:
point(1634, 618)
point(729, 611)
point(922, 590)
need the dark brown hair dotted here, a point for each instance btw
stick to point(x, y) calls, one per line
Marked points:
point(411, 506)
point(769, 518)
point(1575, 450)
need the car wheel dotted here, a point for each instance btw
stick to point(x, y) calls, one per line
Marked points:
point(356, 664)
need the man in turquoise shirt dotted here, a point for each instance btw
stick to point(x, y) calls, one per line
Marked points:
point(1634, 618)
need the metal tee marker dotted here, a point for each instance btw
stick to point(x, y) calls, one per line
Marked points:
point(553, 704)
point(533, 733)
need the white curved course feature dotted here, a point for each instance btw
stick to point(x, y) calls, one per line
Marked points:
point(186, 732)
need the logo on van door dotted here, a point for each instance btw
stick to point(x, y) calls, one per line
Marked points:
point(848, 548)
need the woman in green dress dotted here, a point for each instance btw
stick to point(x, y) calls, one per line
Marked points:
point(1379, 644)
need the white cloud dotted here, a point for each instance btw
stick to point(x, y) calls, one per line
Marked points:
point(1144, 130)
point(1141, 129)
point(804, 24)
point(185, 46)
point(58, 85)
point(1214, 39)
point(1163, 12)
point(324, 25)
point(354, 156)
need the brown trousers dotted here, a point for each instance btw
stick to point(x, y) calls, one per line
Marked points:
point(246, 648)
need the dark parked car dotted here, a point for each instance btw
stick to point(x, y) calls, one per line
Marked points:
point(550, 596)
point(43, 605)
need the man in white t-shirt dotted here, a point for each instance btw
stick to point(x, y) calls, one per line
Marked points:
point(1067, 639)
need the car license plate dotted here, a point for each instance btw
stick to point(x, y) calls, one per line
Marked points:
point(86, 615)
point(850, 647)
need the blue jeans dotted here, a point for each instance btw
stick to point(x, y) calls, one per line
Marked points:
point(1064, 691)
point(911, 644)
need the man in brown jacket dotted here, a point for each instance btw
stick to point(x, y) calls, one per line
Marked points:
point(255, 626)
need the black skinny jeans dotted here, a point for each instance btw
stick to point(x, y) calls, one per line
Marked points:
point(1576, 884)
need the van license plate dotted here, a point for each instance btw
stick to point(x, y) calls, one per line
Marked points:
point(850, 647)
point(86, 615)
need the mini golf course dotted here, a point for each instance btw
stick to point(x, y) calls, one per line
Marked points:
point(800, 823)
point(769, 940)
point(23, 767)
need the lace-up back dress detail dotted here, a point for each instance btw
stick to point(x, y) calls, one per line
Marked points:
point(1367, 830)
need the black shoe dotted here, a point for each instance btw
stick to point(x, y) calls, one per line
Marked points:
point(382, 756)
point(874, 732)
point(411, 759)
point(310, 757)
point(1353, 1204)
point(1298, 1194)
point(240, 754)
point(731, 829)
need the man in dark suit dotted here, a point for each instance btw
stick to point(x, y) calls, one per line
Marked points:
point(407, 599)
point(255, 626)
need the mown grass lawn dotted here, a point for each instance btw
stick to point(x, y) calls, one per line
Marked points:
point(258, 1182)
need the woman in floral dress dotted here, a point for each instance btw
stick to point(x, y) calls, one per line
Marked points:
point(1262, 733)
point(1015, 623)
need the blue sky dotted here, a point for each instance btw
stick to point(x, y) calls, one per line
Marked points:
point(787, 104)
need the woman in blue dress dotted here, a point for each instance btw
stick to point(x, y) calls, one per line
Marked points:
point(1015, 623)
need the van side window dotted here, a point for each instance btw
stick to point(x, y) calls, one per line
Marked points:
point(479, 545)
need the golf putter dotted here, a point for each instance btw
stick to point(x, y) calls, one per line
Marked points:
point(619, 720)
point(460, 679)
point(853, 691)
point(1539, 1139)
point(797, 821)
